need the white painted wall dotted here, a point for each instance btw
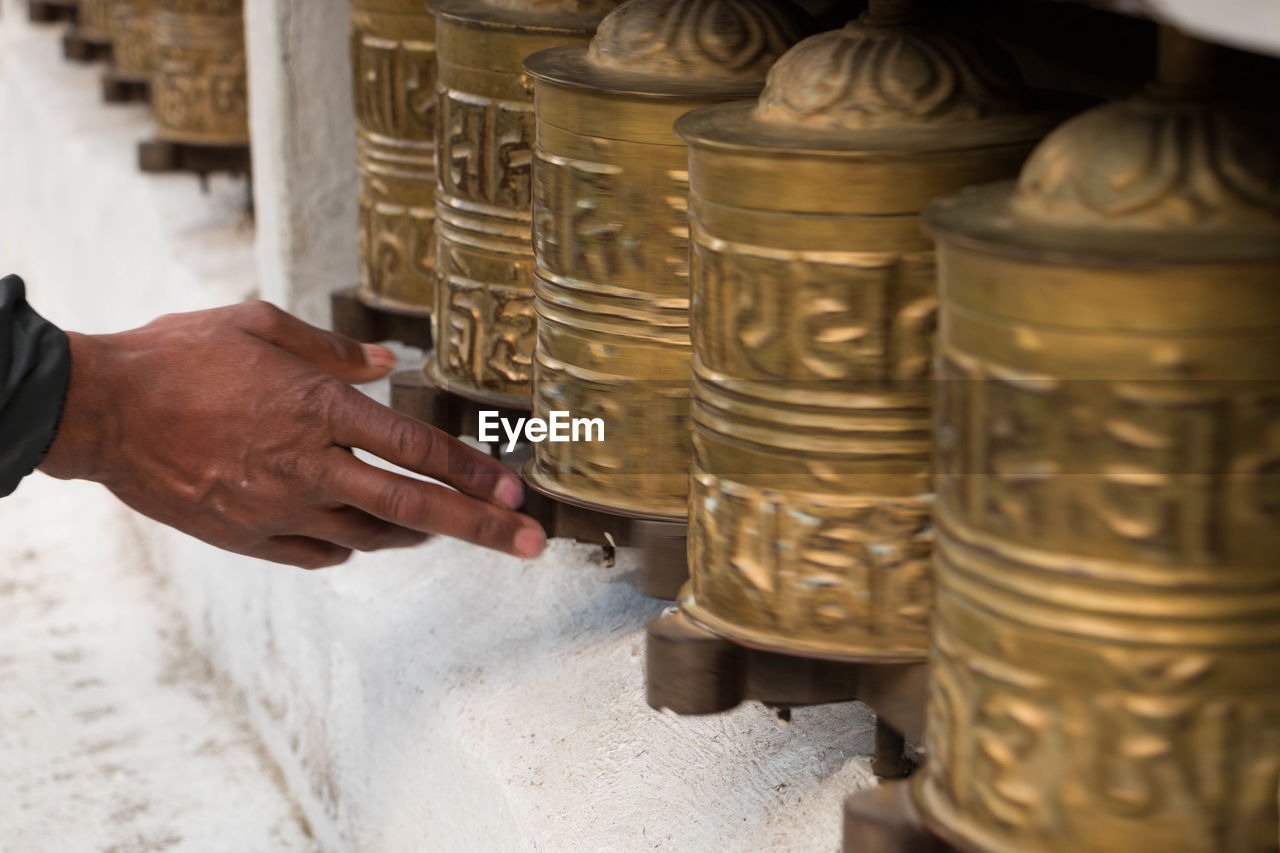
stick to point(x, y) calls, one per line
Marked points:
point(304, 151)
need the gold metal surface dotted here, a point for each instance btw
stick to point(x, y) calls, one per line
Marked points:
point(133, 51)
point(483, 319)
point(611, 235)
point(1107, 625)
point(813, 320)
point(393, 57)
point(200, 88)
point(94, 20)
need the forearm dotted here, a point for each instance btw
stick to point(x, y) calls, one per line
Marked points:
point(35, 369)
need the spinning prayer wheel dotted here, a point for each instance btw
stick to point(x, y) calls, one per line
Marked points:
point(200, 91)
point(1107, 627)
point(133, 52)
point(393, 57)
point(483, 318)
point(611, 236)
point(814, 303)
point(90, 39)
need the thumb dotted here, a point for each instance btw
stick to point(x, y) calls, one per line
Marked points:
point(343, 357)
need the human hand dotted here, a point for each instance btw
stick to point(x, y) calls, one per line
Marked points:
point(234, 425)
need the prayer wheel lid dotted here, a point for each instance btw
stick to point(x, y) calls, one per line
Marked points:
point(679, 48)
point(1175, 173)
point(574, 16)
point(882, 83)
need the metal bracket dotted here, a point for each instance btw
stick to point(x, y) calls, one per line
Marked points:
point(664, 564)
point(78, 48)
point(124, 90)
point(157, 156)
point(884, 819)
point(692, 670)
point(357, 318)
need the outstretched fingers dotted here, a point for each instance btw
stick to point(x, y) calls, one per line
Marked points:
point(357, 421)
point(430, 508)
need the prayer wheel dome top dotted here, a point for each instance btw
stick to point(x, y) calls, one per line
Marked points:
point(1155, 163)
point(883, 72)
point(1158, 176)
point(680, 48)
point(734, 39)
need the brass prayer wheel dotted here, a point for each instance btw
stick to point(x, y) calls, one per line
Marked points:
point(1107, 627)
point(814, 305)
point(611, 235)
point(90, 39)
point(483, 319)
point(132, 42)
point(200, 89)
point(94, 20)
point(393, 57)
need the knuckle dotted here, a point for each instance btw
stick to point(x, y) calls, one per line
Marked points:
point(289, 467)
point(260, 315)
point(316, 398)
point(402, 502)
point(413, 442)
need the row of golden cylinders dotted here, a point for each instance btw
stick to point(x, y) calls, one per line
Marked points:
point(1106, 516)
point(192, 52)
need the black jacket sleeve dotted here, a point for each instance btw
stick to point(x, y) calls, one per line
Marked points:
point(35, 369)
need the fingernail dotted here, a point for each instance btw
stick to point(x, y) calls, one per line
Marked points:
point(530, 541)
point(376, 355)
point(509, 493)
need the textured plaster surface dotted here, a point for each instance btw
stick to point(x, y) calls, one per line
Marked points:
point(304, 150)
point(114, 734)
point(101, 246)
point(440, 699)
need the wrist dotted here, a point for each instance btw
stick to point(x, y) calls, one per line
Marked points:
point(85, 426)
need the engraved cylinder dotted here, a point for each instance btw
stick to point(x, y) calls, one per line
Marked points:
point(814, 304)
point(393, 58)
point(1107, 624)
point(94, 20)
point(133, 49)
point(200, 88)
point(611, 237)
point(483, 319)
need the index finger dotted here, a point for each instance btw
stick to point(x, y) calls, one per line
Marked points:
point(358, 421)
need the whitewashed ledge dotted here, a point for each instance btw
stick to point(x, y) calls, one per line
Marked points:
point(440, 699)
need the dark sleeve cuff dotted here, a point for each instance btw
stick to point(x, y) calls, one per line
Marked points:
point(35, 370)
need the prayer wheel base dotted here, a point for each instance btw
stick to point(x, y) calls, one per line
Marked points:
point(413, 393)
point(46, 12)
point(662, 543)
point(357, 319)
point(79, 48)
point(691, 670)
point(884, 819)
point(158, 156)
point(124, 90)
